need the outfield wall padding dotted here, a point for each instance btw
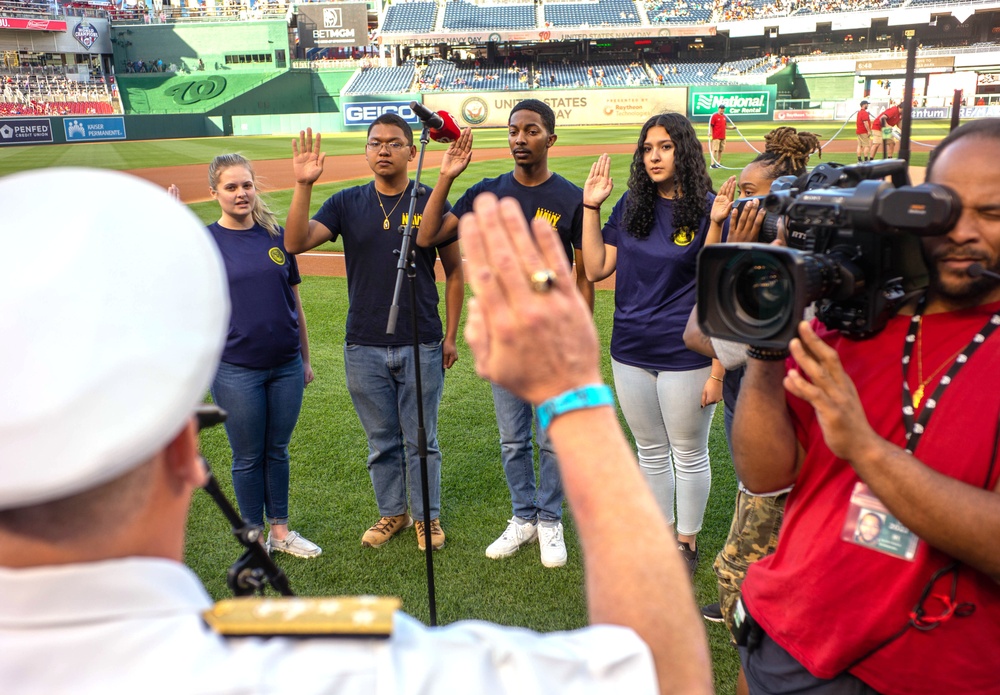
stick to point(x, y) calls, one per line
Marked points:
point(287, 124)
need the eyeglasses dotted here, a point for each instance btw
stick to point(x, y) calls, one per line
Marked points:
point(394, 146)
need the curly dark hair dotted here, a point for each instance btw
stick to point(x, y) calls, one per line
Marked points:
point(691, 180)
point(786, 151)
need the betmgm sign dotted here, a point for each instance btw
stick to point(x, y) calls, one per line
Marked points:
point(329, 25)
point(742, 102)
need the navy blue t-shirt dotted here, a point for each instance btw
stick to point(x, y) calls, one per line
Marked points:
point(655, 290)
point(557, 200)
point(264, 325)
point(371, 258)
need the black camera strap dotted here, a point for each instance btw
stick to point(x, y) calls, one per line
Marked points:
point(915, 428)
point(922, 616)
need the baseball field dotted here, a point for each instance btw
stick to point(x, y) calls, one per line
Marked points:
point(331, 498)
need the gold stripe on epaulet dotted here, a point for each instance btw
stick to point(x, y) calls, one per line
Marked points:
point(349, 616)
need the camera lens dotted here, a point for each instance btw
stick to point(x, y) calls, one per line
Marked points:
point(760, 293)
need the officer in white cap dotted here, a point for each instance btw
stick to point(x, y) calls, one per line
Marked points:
point(106, 350)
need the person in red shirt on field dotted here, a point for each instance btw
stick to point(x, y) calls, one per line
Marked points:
point(864, 131)
point(882, 131)
point(718, 126)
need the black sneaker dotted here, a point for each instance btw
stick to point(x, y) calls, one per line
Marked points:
point(689, 556)
point(712, 613)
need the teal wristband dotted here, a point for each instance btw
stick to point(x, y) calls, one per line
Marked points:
point(592, 396)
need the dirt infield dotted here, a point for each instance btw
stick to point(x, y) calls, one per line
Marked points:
point(276, 174)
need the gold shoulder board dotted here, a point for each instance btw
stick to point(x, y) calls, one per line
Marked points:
point(348, 616)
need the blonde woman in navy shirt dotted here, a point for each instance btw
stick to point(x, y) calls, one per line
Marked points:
point(265, 364)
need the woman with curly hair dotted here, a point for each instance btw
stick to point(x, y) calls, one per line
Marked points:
point(667, 392)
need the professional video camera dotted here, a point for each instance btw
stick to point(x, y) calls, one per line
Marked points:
point(852, 249)
point(769, 226)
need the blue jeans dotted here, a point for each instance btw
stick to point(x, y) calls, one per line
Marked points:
point(663, 410)
point(514, 419)
point(263, 407)
point(382, 383)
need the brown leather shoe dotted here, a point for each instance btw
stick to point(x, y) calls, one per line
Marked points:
point(437, 535)
point(384, 529)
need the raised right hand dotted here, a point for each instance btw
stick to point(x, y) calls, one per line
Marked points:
point(307, 159)
point(723, 201)
point(458, 155)
point(599, 184)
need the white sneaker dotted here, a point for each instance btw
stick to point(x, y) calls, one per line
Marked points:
point(550, 538)
point(293, 544)
point(514, 536)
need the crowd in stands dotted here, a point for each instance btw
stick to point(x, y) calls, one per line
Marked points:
point(598, 13)
point(513, 74)
point(28, 93)
point(26, 8)
point(662, 11)
point(739, 10)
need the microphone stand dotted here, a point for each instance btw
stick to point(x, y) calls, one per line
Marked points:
point(407, 267)
point(254, 569)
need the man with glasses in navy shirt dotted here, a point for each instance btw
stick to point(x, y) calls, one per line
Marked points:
point(381, 374)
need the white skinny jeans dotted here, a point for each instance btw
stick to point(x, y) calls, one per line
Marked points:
point(663, 410)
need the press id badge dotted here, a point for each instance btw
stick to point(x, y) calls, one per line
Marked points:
point(870, 525)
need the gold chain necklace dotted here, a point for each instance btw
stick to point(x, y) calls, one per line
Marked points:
point(918, 394)
point(386, 225)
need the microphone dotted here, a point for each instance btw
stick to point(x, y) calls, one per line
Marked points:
point(441, 125)
point(976, 270)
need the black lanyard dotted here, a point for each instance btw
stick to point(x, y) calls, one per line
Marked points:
point(915, 429)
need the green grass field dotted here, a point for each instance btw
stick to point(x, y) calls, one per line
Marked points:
point(331, 498)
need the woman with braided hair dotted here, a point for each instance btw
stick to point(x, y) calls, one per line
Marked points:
point(757, 519)
point(652, 239)
point(786, 152)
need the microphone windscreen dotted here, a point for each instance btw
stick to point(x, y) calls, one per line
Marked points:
point(449, 130)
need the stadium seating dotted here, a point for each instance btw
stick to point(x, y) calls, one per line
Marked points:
point(688, 73)
point(382, 80)
point(415, 16)
point(604, 74)
point(54, 108)
point(446, 76)
point(466, 16)
point(809, 7)
point(745, 68)
point(594, 13)
point(678, 11)
point(25, 8)
point(44, 90)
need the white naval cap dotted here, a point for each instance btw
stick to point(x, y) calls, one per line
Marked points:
point(111, 327)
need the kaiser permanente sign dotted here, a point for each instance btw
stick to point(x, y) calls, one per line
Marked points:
point(742, 102)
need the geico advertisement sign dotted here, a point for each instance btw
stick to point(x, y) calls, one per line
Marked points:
point(364, 112)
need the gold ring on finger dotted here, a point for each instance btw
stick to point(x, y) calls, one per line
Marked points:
point(543, 280)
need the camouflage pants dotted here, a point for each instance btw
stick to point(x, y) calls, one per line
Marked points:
point(752, 536)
